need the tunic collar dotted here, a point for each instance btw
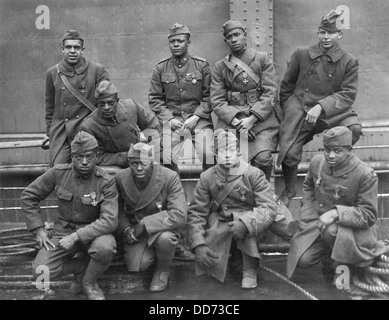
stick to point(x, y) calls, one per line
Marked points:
point(69, 70)
point(344, 168)
point(335, 53)
point(181, 62)
point(247, 56)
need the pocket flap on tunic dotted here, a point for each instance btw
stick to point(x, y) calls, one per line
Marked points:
point(168, 78)
point(64, 194)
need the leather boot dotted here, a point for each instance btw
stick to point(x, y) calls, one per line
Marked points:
point(89, 282)
point(267, 171)
point(249, 280)
point(290, 179)
point(77, 266)
point(160, 276)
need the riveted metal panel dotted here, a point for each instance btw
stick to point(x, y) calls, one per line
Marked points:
point(128, 37)
point(257, 16)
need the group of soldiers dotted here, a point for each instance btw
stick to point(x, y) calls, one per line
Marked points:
point(143, 207)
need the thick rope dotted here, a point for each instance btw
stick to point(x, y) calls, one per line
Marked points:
point(374, 279)
point(291, 283)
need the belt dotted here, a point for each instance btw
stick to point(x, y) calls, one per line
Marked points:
point(243, 98)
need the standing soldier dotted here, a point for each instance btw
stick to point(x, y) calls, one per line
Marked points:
point(152, 216)
point(233, 201)
point(337, 223)
point(179, 96)
point(317, 93)
point(70, 90)
point(243, 96)
point(116, 124)
point(88, 215)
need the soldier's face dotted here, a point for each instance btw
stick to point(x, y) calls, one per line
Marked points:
point(228, 156)
point(179, 45)
point(328, 39)
point(236, 40)
point(107, 107)
point(84, 162)
point(72, 51)
point(141, 169)
point(336, 155)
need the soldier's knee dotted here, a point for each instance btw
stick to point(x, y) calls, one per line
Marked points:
point(356, 130)
point(167, 239)
point(103, 248)
point(263, 159)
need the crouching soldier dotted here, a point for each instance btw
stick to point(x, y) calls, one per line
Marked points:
point(339, 212)
point(88, 215)
point(153, 212)
point(232, 201)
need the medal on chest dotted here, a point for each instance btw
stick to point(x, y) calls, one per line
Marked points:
point(244, 75)
point(242, 191)
point(93, 196)
point(339, 191)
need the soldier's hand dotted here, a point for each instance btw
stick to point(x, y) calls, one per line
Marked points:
point(205, 256)
point(314, 114)
point(138, 229)
point(191, 122)
point(129, 235)
point(328, 217)
point(45, 143)
point(175, 124)
point(42, 237)
point(238, 229)
point(69, 241)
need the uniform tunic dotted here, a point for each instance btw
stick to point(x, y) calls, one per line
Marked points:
point(64, 113)
point(229, 81)
point(76, 209)
point(314, 77)
point(250, 201)
point(351, 189)
point(116, 137)
point(161, 205)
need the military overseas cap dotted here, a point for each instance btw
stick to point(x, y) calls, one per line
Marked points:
point(232, 24)
point(178, 28)
point(105, 89)
point(328, 22)
point(141, 151)
point(72, 35)
point(83, 142)
point(337, 137)
point(223, 138)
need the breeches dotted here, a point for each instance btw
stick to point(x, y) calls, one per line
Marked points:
point(101, 250)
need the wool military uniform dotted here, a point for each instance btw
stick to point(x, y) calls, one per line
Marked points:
point(235, 94)
point(179, 89)
point(351, 188)
point(88, 206)
point(115, 137)
point(162, 208)
point(64, 113)
point(249, 200)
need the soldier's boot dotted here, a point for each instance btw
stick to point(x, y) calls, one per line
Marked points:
point(249, 280)
point(77, 266)
point(182, 253)
point(89, 282)
point(290, 179)
point(267, 171)
point(161, 276)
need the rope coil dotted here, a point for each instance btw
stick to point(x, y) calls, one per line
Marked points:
point(374, 279)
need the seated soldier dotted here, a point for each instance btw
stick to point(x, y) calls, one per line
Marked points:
point(117, 124)
point(152, 214)
point(88, 215)
point(339, 212)
point(232, 201)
